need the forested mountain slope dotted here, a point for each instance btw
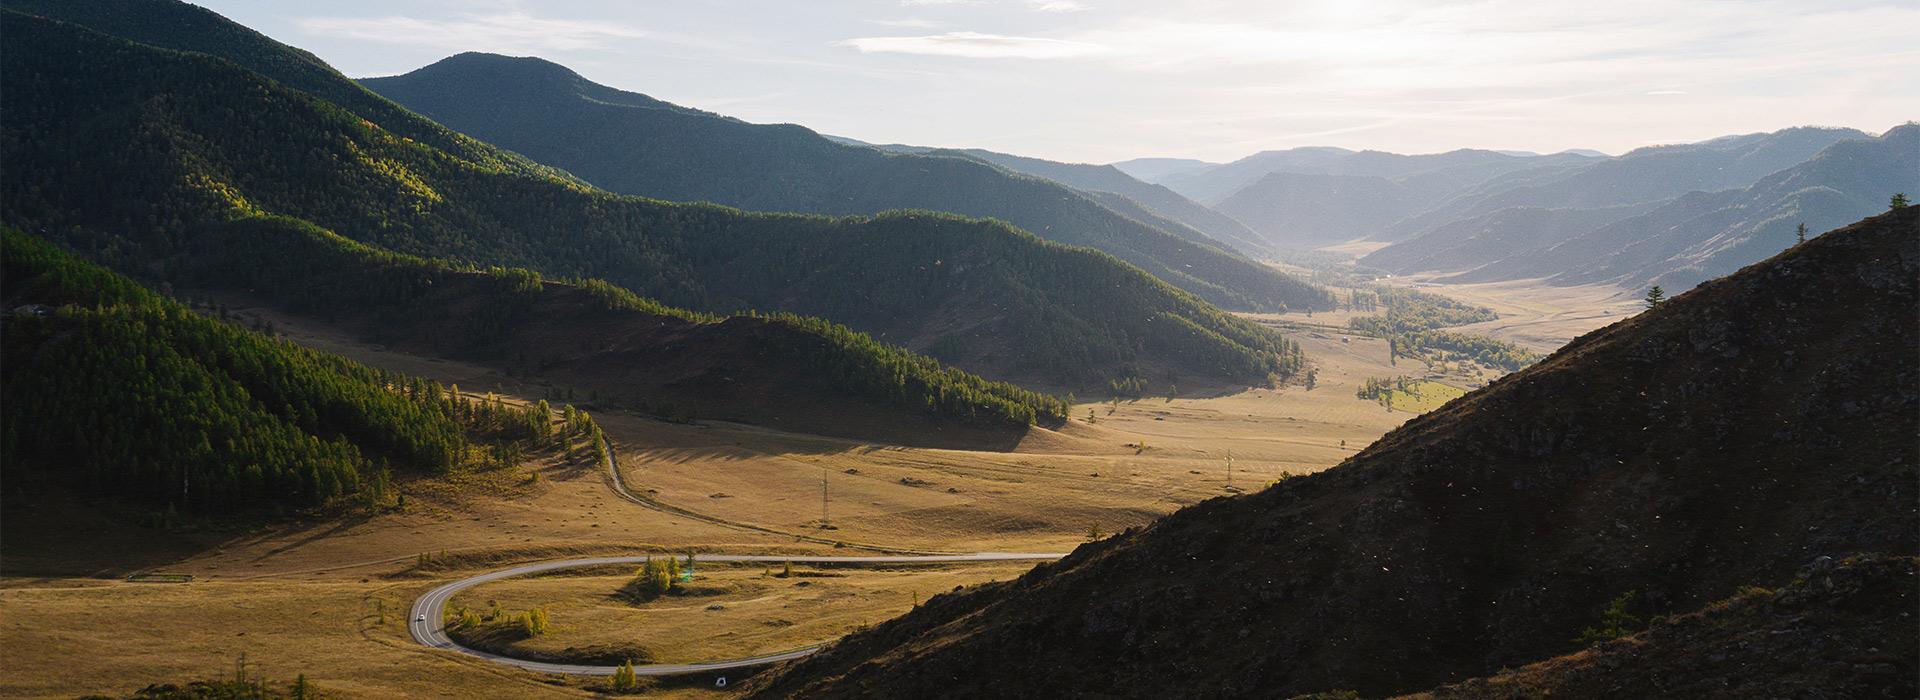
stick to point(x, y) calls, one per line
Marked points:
point(181, 26)
point(119, 149)
point(634, 144)
point(113, 390)
point(1100, 180)
point(780, 370)
point(1728, 437)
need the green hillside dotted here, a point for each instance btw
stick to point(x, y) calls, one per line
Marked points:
point(180, 26)
point(593, 333)
point(113, 389)
point(634, 144)
point(121, 149)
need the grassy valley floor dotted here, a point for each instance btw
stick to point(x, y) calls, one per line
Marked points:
point(305, 596)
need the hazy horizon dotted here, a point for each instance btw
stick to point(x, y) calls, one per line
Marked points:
point(1101, 80)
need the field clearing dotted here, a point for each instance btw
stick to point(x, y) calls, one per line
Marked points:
point(728, 611)
point(1137, 460)
point(1535, 315)
point(130, 634)
point(296, 596)
point(1424, 396)
point(1356, 248)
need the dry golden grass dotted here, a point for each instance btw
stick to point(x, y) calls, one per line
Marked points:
point(1533, 315)
point(727, 610)
point(295, 597)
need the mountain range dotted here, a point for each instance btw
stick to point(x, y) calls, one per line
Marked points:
point(1627, 237)
point(124, 150)
point(1673, 215)
point(1151, 204)
point(633, 144)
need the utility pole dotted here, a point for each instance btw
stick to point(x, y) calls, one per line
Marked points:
point(1229, 470)
point(824, 520)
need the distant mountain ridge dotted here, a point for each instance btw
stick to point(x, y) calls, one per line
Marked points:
point(1157, 170)
point(1297, 210)
point(1643, 175)
point(631, 144)
point(1461, 167)
point(1308, 197)
point(1681, 241)
point(1156, 198)
point(1151, 204)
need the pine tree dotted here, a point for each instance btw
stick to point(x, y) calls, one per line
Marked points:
point(1655, 296)
point(623, 678)
point(1615, 622)
point(1800, 233)
point(1899, 201)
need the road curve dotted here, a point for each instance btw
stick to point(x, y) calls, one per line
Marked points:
point(426, 621)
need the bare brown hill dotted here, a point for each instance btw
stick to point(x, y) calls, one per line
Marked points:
point(1726, 438)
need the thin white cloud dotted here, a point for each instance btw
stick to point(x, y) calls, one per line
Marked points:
point(1057, 5)
point(1036, 5)
point(1666, 92)
point(508, 31)
point(974, 45)
point(905, 23)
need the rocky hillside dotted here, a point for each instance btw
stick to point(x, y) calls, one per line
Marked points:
point(1841, 629)
point(1726, 438)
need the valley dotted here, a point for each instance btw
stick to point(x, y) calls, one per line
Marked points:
point(279, 593)
point(535, 351)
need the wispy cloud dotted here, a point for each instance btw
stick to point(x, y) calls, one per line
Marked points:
point(905, 23)
point(1036, 5)
point(1666, 92)
point(507, 31)
point(1057, 5)
point(974, 45)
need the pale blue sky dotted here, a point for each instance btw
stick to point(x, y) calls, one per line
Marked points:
point(1104, 80)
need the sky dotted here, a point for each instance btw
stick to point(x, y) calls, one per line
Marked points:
point(1106, 80)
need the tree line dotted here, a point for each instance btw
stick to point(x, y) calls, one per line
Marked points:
point(315, 271)
point(117, 390)
point(1411, 320)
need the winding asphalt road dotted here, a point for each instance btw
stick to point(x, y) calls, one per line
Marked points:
point(426, 621)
